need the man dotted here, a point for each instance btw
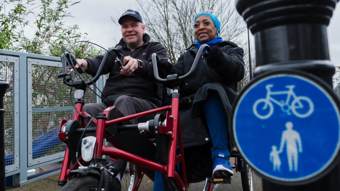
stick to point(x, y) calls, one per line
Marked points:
point(292, 140)
point(130, 87)
point(131, 83)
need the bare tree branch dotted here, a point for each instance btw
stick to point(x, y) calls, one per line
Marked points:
point(170, 21)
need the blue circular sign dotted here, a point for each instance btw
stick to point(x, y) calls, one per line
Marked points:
point(287, 127)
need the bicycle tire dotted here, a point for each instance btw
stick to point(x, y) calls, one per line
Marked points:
point(88, 183)
point(305, 102)
point(84, 183)
point(258, 109)
point(131, 178)
point(172, 185)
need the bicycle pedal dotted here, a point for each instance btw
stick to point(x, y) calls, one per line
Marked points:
point(224, 180)
point(221, 177)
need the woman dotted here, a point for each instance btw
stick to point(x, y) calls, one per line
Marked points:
point(209, 92)
point(207, 95)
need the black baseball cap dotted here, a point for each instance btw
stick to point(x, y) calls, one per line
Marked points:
point(130, 13)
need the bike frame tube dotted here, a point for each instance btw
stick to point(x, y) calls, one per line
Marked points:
point(181, 155)
point(99, 137)
point(172, 153)
point(64, 166)
point(176, 141)
point(180, 183)
point(137, 115)
point(118, 153)
point(172, 128)
point(78, 110)
point(137, 182)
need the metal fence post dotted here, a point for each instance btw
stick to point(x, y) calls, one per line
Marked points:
point(3, 87)
point(292, 35)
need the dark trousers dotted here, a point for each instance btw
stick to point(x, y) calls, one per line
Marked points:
point(131, 141)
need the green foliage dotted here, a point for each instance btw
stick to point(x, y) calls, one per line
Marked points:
point(50, 33)
point(12, 21)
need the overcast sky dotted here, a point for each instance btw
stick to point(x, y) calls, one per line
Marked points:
point(94, 17)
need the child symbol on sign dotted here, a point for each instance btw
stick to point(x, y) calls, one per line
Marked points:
point(274, 157)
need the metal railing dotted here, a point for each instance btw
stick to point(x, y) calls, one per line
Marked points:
point(34, 104)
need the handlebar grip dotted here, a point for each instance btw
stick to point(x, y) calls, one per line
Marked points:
point(174, 77)
point(195, 63)
point(155, 68)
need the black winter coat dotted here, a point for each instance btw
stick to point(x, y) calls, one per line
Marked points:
point(141, 83)
point(221, 80)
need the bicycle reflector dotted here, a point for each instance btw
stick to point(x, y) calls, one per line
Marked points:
point(66, 128)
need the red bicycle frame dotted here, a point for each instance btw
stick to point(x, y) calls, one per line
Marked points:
point(171, 128)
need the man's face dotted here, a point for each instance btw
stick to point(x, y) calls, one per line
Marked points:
point(132, 32)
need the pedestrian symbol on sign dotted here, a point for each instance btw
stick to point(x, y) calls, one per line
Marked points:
point(291, 140)
point(287, 110)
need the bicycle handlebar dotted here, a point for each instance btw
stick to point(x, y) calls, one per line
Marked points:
point(173, 77)
point(69, 60)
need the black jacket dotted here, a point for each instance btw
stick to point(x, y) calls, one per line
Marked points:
point(141, 83)
point(221, 79)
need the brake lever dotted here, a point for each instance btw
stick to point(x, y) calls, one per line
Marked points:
point(119, 57)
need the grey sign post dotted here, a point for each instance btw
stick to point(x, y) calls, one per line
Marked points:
point(292, 35)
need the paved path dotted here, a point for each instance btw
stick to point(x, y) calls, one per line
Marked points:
point(50, 184)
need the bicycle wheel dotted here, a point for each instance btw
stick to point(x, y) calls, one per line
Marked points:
point(247, 177)
point(132, 178)
point(263, 109)
point(90, 183)
point(172, 185)
point(209, 185)
point(302, 106)
point(85, 183)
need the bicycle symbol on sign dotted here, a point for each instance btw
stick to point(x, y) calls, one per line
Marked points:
point(300, 106)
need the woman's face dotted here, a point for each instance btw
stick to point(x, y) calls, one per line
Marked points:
point(204, 29)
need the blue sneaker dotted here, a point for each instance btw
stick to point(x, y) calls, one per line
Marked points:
point(222, 169)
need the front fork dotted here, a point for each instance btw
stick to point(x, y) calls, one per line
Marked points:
point(64, 168)
point(100, 130)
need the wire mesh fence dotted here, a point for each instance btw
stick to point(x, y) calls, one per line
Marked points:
point(35, 103)
point(51, 101)
point(7, 72)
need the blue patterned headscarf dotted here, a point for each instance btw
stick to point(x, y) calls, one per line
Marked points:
point(217, 25)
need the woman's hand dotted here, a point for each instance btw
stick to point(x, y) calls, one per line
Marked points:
point(214, 56)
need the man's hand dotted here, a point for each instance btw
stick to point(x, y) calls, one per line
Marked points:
point(82, 64)
point(129, 66)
